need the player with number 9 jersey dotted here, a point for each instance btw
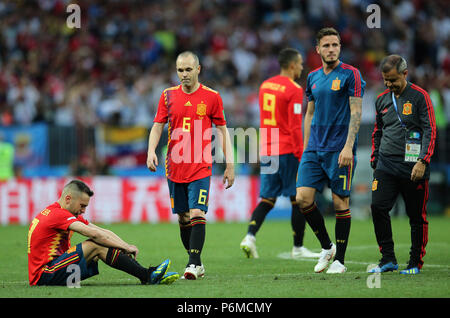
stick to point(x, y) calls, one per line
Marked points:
point(280, 103)
point(281, 141)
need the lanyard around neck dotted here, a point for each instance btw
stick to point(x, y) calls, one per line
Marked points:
point(396, 111)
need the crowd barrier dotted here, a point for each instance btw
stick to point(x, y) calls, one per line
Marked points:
point(125, 199)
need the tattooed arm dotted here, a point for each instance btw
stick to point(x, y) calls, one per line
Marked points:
point(346, 155)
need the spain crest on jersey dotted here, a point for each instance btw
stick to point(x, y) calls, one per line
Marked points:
point(201, 109)
point(407, 108)
point(375, 185)
point(336, 84)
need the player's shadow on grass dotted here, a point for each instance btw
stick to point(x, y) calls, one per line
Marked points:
point(111, 284)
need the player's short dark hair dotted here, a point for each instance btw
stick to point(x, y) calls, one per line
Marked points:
point(286, 56)
point(391, 61)
point(189, 53)
point(327, 31)
point(80, 186)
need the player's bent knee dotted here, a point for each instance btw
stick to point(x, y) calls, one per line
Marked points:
point(303, 201)
point(92, 250)
point(340, 202)
point(195, 213)
point(88, 246)
point(305, 196)
point(184, 219)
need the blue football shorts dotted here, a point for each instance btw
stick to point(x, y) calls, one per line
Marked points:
point(281, 181)
point(56, 272)
point(319, 167)
point(191, 195)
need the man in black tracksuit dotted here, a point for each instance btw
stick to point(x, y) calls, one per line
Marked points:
point(402, 145)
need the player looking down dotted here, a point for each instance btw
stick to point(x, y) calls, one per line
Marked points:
point(190, 109)
point(50, 252)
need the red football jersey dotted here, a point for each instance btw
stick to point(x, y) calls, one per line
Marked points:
point(190, 118)
point(280, 105)
point(48, 238)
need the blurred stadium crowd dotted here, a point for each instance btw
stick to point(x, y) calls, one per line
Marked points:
point(113, 68)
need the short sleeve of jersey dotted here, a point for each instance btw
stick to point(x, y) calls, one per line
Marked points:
point(161, 113)
point(356, 84)
point(61, 219)
point(218, 113)
point(82, 219)
point(296, 98)
point(308, 92)
point(295, 121)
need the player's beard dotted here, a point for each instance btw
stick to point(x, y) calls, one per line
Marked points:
point(330, 61)
point(394, 89)
point(397, 90)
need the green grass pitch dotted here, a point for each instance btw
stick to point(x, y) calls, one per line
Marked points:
point(230, 275)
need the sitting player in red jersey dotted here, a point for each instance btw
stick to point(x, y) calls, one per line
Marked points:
point(190, 109)
point(50, 253)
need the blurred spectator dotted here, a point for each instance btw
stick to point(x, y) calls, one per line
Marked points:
point(6, 160)
point(89, 164)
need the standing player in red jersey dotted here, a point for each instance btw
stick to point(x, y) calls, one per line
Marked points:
point(280, 102)
point(190, 109)
point(50, 253)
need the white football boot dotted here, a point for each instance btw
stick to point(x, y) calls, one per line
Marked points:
point(336, 268)
point(193, 272)
point(325, 257)
point(248, 245)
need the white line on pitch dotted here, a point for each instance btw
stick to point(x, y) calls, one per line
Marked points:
point(287, 255)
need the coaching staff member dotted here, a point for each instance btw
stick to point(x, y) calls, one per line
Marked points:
point(402, 145)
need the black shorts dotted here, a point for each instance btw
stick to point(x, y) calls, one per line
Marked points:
point(58, 270)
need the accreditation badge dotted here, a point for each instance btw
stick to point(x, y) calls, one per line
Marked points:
point(413, 146)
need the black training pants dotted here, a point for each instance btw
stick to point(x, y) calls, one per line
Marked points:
point(385, 190)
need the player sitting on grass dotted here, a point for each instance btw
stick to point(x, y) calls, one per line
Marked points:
point(49, 251)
